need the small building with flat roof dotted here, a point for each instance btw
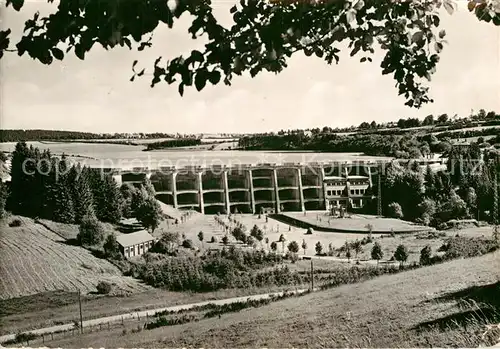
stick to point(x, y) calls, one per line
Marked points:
point(135, 244)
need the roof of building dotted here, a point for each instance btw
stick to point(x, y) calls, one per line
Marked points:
point(134, 238)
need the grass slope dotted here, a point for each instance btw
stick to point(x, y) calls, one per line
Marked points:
point(36, 260)
point(389, 311)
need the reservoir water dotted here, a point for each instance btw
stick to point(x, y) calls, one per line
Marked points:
point(130, 156)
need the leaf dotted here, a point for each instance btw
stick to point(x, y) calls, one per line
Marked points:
point(132, 78)
point(58, 54)
point(134, 64)
point(233, 9)
point(181, 89)
point(436, 20)
point(141, 73)
point(442, 34)
point(350, 15)
point(214, 77)
point(438, 47)
point(127, 42)
point(363, 59)
point(80, 53)
point(471, 5)
point(200, 80)
point(417, 37)
point(16, 4)
point(197, 56)
point(449, 6)
point(359, 4)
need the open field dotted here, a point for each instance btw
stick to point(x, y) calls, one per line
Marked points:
point(55, 308)
point(476, 128)
point(70, 231)
point(401, 310)
point(355, 223)
point(35, 260)
point(416, 241)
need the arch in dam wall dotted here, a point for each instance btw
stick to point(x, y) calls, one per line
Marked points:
point(213, 197)
point(166, 199)
point(241, 208)
point(264, 195)
point(289, 194)
point(294, 206)
point(215, 208)
point(315, 205)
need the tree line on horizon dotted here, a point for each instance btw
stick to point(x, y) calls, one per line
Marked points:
point(399, 144)
point(18, 135)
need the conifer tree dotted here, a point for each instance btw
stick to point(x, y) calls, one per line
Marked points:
point(63, 202)
point(3, 198)
point(82, 194)
point(127, 191)
point(21, 180)
point(112, 207)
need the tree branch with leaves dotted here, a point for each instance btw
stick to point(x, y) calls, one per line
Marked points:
point(263, 37)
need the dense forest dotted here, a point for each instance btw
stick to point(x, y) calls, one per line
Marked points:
point(46, 186)
point(174, 143)
point(54, 135)
point(465, 190)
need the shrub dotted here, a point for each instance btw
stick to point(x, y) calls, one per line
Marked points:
point(225, 240)
point(213, 240)
point(15, 223)
point(111, 247)
point(309, 231)
point(377, 252)
point(293, 247)
point(187, 244)
point(394, 210)
point(426, 256)
point(465, 247)
point(103, 287)
point(91, 231)
point(401, 254)
point(318, 248)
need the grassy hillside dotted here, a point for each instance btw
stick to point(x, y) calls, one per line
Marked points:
point(35, 259)
point(419, 308)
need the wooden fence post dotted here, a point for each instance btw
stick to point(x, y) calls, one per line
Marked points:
point(108, 325)
point(52, 335)
point(43, 338)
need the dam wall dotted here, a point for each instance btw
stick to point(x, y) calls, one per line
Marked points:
point(263, 188)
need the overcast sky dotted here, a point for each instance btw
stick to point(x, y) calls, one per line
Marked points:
point(96, 95)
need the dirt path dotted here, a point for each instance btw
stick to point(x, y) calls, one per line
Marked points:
point(144, 313)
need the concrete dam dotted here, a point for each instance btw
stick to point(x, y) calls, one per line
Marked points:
point(263, 188)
